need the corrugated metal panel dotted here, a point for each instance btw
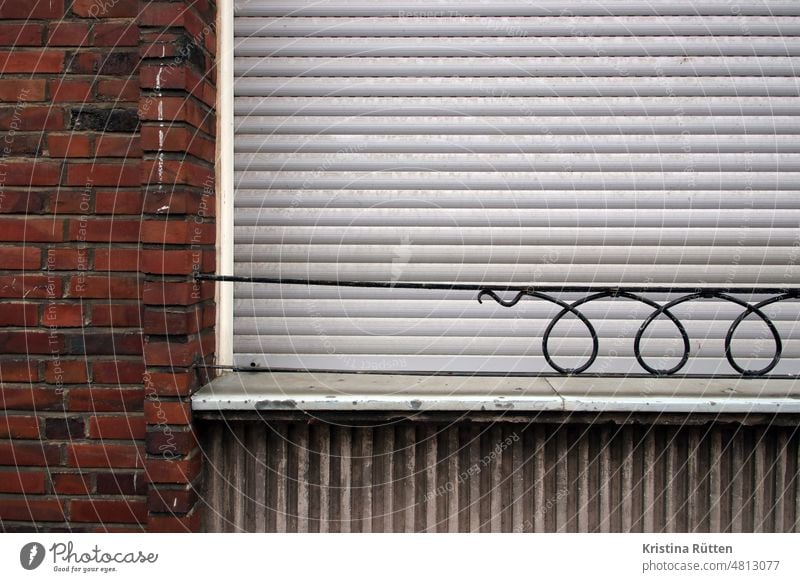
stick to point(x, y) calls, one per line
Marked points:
point(526, 476)
point(516, 143)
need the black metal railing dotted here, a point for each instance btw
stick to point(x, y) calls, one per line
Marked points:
point(550, 294)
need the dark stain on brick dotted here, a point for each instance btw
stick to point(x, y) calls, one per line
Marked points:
point(109, 120)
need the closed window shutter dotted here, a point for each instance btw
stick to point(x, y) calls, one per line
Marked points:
point(511, 142)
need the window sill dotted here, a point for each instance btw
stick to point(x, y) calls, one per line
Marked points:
point(309, 391)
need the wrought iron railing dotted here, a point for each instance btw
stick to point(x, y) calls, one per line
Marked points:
point(550, 294)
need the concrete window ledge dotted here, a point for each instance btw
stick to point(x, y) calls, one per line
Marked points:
point(308, 391)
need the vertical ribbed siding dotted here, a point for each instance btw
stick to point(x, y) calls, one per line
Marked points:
point(500, 477)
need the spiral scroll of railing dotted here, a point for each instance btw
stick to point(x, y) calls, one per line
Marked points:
point(593, 293)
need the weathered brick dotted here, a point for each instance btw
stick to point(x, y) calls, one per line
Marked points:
point(173, 470)
point(164, 500)
point(30, 398)
point(31, 509)
point(116, 34)
point(105, 8)
point(72, 484)
point(68, 33)
point(32, 61)
point(103, 174)
point(65, 90)
point(118, 372)
point(89, 455)
point(126, 427)
point(65, 428)
point(117, 315)
point(166, 412)
point(31, 454)
point(108, 510)
point(18, 427)
point(25, 286)
point(68, 146)
point(52, 9)
point(119, 483)
point(114, 259)
point(106, 399)
point(100, 287)
point(19, 370)
point(22, 90)
point(63, 315)
point(16, 34)
point(104, 119)
point(26, 482)
point(62, 371)
point(19, 314)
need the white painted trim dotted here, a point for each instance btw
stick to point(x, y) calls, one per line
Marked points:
point(224, 291)
point(416, 393)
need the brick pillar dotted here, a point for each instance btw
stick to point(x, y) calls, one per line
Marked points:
point(176, 106)
point(72, 425)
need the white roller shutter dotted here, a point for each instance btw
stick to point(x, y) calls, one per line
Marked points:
point(608, 142)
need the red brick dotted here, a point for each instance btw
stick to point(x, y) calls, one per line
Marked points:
point(175, 109)
point(32, 61)
point(19, 454)
point(172, 353)
point(117, 427)
point(112, 259)
point(25, 286)
point(173, 470)
point(20, 258)
point(177, 232)
point(31, 230)
point(177, 201)
point(22, 202)
point(33, 10)
point(118, 372)
point(30, 398)
point(67, 259)
point(106, 399)
point(116, 34)
point(18, 371)
point(66, 90)
point(118, 89)
point(66, 201)
point(18, 427)
point(18, 90)
point(161, 412)
point(72, 484)
point(62, 315)
point(99, 287)
point(166, 440)
point(176, 384)
point(21, 34)
point(103, 174)
point(68, 146)
point(176, 262)
point(22, 482)
point(65, 33)
point(119, 202)
point(31, 508)
point(176, 293)
point(32, 173)
point(173, 321)
point(118, 483)
point(157, 172)
point(31, 118)
point(112, 63)
point(66, 372)
point(102, 342)
point(108, 510)
point(117, 146)
point(124, 315)
point(163, 500)
point(106, 9)
point(104, 455)
point(162, 14)
point(178, 139)
point(103, 230)
point(30, 342)
point(174, 523)
point(19, 314)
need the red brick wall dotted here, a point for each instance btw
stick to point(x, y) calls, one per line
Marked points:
point(106, 209)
